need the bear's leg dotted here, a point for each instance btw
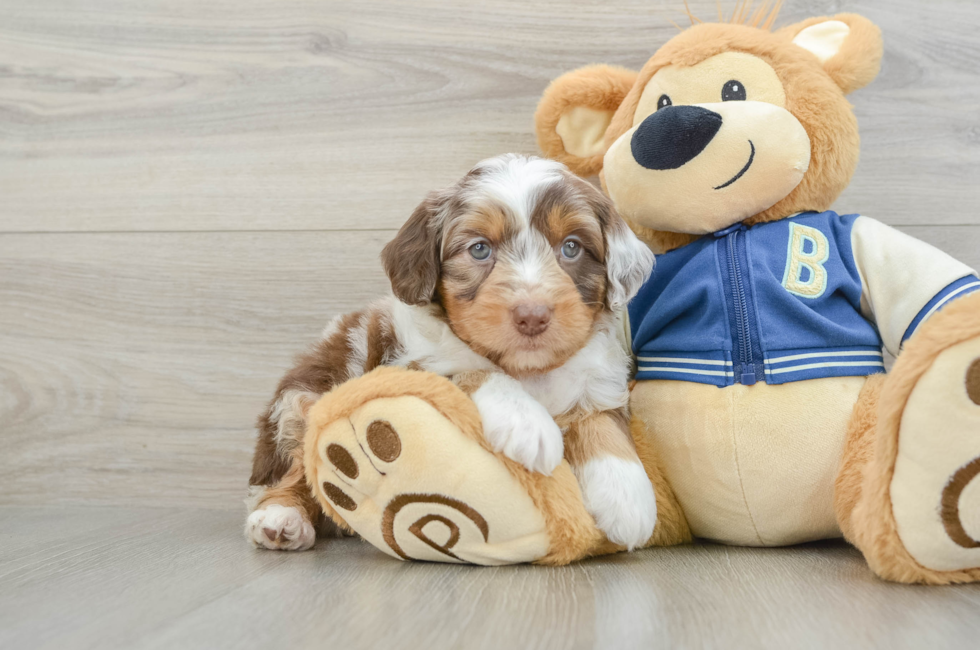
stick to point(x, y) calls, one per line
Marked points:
point(906, 494)
point(399, 457)
point(671, 527)
point(857, 454)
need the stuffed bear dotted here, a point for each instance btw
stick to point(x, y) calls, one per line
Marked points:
point(761, 411)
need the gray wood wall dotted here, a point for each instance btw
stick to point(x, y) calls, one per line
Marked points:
point(189, 190)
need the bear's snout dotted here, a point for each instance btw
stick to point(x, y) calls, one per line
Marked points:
point(673, 136)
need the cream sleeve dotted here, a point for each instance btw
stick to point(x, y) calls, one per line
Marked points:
point(903, 280)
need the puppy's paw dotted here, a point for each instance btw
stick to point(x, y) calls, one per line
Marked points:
point(282, 528)
point(518, 426)
point(533, 440)
point(618, 493)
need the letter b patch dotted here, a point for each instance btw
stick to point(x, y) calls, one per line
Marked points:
point(805, 275)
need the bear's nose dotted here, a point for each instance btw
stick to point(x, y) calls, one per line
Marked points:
point(531, 319)
point(673, 136)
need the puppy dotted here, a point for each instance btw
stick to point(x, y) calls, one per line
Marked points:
point(509, 282)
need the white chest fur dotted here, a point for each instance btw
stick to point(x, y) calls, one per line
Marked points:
point(595, 378)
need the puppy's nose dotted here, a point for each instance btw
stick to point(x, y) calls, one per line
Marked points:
point(531, 319)
point(673, 136)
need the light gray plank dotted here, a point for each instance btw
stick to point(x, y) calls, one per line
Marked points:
point(315, 114)
point(175, 578)
point(100, 578)
point(134, 366)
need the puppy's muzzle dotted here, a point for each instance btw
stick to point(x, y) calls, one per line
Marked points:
point(531, 319)
point(673, 136)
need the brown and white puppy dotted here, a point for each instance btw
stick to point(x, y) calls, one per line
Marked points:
point(509, 282)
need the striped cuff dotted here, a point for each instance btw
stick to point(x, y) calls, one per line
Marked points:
point(713, 368)
point(784, 366)
point(957, 289)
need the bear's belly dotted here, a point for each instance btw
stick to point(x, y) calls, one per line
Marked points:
point(751, 465)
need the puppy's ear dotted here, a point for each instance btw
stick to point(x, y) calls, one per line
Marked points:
point(576, 110)
point(411, 259)
point(629, 262)
point(848, 46)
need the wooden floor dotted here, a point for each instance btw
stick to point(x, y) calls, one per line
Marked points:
point(189, 190)
point(114, 577)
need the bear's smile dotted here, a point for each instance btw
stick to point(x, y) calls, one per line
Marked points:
point(741, 171)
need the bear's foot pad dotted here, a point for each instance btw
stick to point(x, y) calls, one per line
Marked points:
point(410, 482)
point(935, 492)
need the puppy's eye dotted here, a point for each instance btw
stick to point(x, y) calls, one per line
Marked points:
point(663, 102)
point(733, 91)
point(571, 249)
point(480, 250)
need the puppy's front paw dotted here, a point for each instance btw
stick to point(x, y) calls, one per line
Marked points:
point(518, 426)
point(619, 495)
point(282, 528)
point(532, 439)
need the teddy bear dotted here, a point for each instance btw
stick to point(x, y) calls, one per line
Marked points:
point(761, 410)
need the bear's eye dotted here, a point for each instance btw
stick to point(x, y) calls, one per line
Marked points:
point(663, 102)
point(733, 91)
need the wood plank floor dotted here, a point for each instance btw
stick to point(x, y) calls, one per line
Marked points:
point(139, 578)
point(190, 190)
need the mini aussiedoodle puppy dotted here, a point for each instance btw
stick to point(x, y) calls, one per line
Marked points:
point(510, 283)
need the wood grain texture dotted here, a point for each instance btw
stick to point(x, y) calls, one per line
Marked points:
point(314, 114)
point(134, 365)
point(183, 578)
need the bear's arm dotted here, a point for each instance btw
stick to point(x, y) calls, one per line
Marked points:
point(904, 280)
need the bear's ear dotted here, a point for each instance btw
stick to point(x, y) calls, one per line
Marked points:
point(575, 111)
point(848, 46)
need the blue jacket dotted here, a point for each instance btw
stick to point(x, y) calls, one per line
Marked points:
point(813, 295)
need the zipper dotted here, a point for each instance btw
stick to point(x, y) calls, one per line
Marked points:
point(745, 371)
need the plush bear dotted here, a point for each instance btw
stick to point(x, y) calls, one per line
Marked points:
point(761, 412)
